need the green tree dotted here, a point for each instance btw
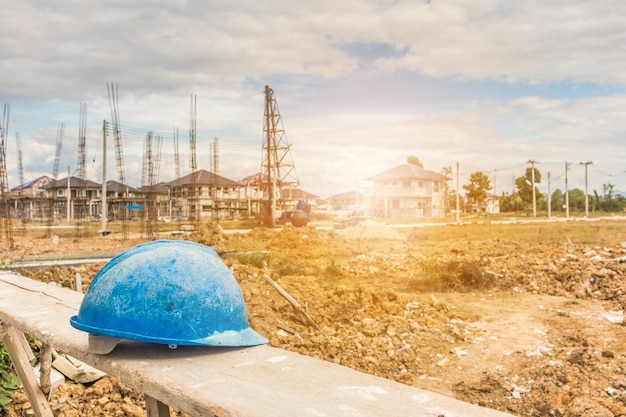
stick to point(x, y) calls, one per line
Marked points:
point(507, 203)
point(557, 199)
point(577, 199)
point(618, 203)
point(477, 188)
point(414, 160)
point(525, 188)
point(608, 201)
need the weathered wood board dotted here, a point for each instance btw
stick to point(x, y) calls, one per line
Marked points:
point(209, 381)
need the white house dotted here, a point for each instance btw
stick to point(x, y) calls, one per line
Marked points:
point(408, 191)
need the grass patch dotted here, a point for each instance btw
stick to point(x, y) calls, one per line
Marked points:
point(333, 271)
point(444, 276)
point(606, 232)
point(256, 259)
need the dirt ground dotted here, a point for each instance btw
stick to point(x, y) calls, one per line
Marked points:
point(525, 318)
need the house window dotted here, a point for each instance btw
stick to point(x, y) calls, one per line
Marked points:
point(60, 192)
point(436, 187)
point(407, 184)
point(420, 184)
point(395, 204)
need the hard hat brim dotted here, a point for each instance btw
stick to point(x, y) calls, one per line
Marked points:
point(228, 338)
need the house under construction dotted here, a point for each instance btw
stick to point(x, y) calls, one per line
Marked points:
point(200, 195)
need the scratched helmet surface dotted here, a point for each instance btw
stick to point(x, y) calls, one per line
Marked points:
point(169, 292)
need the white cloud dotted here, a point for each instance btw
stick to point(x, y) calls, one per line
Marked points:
point(529, 41)
point(361, 84)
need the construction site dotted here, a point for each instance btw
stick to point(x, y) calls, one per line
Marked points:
point(200, 195)
point(373, 318)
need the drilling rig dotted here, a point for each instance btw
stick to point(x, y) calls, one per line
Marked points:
point(278, 172)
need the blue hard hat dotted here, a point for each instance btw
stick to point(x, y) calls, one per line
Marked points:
point(172, 292)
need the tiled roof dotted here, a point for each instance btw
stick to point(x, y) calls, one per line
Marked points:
point(203, 177)
point(406, 172)
point(34, 184)
point(118, 187)
point(75, 182)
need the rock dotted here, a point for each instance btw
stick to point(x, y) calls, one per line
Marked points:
point(443, 362)
point(586, 407)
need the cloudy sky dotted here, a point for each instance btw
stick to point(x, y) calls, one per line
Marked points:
point(360, 85)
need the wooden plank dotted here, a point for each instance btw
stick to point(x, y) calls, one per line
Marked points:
point(45, 368)
point(200, 381)
point(26, 346)
point(24, 370)
point(155, 408)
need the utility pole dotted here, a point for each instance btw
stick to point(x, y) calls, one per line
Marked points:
point(532, 173)
point(567, 164)
point(549, 199)
point(586, 164)
point(458, 209)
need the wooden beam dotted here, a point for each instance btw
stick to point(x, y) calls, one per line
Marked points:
point(156, 408)
point(45, 368)
point(24, 370)
point(26, 346)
